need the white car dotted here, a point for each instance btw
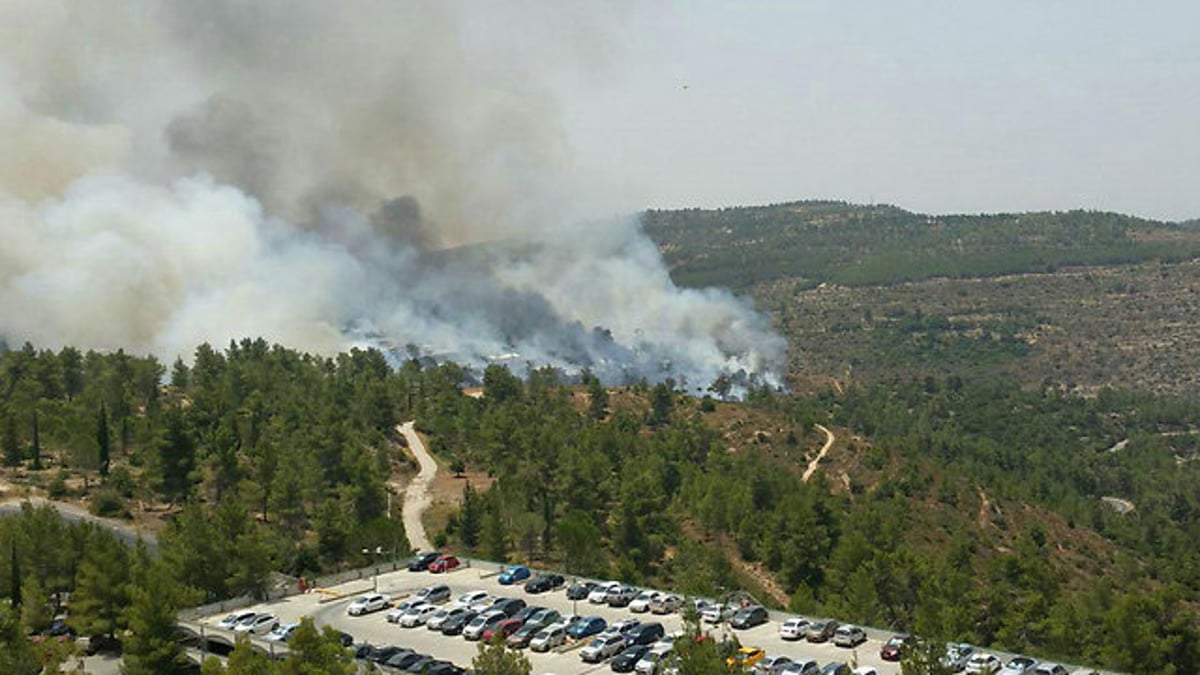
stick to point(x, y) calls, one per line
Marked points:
point(957, 655)
point(648, 664)
point(1018, 665)
point(548, 638)
point(716, 613)
point(257, 624)
point(473, 599)
point(234, 619)
point(365, 604)
point(418, 615)
point(849, 636)
point(643, 601)
point(772, 665)
point(1048, 668)
point(396, 613)
point(282, 632)
point(982, 663)
point(795, 628)
point(474, 630)
point(599, 594)
point(602, 648)
point(864, 670)
point(802, 667)
point(443, 615)
point(666, 603)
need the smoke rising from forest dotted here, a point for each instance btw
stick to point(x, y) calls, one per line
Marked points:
point(173, 172)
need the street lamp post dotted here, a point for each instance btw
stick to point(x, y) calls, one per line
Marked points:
point(375, 560)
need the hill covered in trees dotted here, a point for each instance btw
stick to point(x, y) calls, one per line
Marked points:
point(959, 508)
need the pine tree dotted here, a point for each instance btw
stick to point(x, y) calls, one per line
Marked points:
point(35, 448)
point(12, 444)
point(100, 587)
point(471, 517)
point(151, 647)
point(313, 651)
point(176, 455)
point(495, 534)
point(103, 440)
point(16, 651)
point(494, 658)
point(180, 374)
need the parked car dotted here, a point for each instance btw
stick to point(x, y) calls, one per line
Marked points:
point(257, 624)
point(95, 644)
point(628, 658)
point(1047, 668)
point(510, 606)
point(443, 615)
point(454, 625)
point(580, 590)
point(504, 629)
point(444, 668)
point(957, 655)
point(418, 616)
point(474, 630)
point(621, 627)
point(544, 582)
point(444, 563)
point(803, 667)
point(545, 617)
point(398, 658)
point(548, 638)
point(864, 670)
point(645, 633)
point(772, 665)
point(471, 598)
point(793, 628)
point(365, 604)
point(599, 593)
point(526, 612)
point(821, 630)
point(421, 561)
point(587, 627)
point(749, 618)
point(836, 668)
point(643, 600)
point(982, 663)
point(396, 613)
point(420, 665)
point(281, 633)
point(666, 603)
point(1018, 665)
point(716, 613)
point(745, 657)
point(849, 636)
point(234, 619)
point(601, 648)
point(525, 634)
point(434, 595)
point(894, 648)
point(651, 660)
point(511, 575)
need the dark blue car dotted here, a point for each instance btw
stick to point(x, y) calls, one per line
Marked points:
point(512, 575)
point(587, 627)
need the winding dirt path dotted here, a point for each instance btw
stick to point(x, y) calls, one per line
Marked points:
point(812, 466)
point(417, 495)
point(125, 532)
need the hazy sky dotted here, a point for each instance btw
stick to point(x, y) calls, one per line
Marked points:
point(933, 106)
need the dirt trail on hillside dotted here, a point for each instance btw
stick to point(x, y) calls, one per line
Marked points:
point(812, 466)
point(417, 496)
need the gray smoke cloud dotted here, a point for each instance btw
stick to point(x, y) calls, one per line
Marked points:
point(174, 172)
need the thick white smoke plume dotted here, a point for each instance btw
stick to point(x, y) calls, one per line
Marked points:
point(174, 171)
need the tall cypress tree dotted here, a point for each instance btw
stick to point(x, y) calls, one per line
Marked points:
point(35, 449)
point(14, 591)
point(102, 439)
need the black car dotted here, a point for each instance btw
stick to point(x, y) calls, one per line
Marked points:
point(835, 669)
point(346, 639)
point(510, 606)
point(402, 658)
point(420, 664)
point(382, 654)
point(627, 659)
point(749, 617)
point(527, 611)
point(421, 561)
point(455, 624)
point(580, 590)
point(364, 652)
point(544, 582)
point(644, 634)
point(444, 668)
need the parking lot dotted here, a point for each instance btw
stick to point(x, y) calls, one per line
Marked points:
point(328, 607)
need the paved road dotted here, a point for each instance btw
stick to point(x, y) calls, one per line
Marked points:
point(125, 532)
point(375, 629)
point(417, 496)
point(812, 466)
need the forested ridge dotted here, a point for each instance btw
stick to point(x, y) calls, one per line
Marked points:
point(837, 242)
point(262, 459)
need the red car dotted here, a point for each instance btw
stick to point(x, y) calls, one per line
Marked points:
point(444, 563)
point(503, 629)
point(893, 649)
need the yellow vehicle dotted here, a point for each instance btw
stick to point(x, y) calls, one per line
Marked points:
point(745, 657)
